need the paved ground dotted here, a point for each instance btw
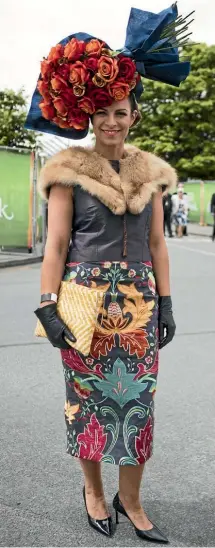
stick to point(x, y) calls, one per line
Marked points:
point(40, 485)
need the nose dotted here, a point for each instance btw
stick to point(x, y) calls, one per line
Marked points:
point(110, 120)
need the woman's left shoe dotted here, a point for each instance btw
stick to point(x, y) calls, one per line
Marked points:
point(153, 535)
point(103, 526)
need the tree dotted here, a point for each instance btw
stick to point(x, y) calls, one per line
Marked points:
point(13, 111)
point(178, 124)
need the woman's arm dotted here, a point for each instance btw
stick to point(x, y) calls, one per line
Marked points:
point(158, 248)
point(60, 212)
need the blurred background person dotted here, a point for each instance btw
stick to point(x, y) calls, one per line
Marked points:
point(167, 213)
point(180, 212)
point(180, 188)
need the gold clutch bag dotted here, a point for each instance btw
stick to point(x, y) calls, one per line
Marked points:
point(78, 306)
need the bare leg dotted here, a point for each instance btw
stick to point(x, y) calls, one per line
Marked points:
point(180, 231)
point(95, 498)
point(129, 494)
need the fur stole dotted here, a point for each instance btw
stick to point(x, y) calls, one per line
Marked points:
point(141, 175)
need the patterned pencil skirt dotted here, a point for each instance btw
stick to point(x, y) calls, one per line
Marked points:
point(109, 408)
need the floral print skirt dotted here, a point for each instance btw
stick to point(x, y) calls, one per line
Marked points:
point(109, 408)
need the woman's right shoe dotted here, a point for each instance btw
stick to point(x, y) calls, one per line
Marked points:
point(103, 526)
point(153, 535)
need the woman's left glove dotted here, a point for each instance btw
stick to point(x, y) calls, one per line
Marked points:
point(166, 322)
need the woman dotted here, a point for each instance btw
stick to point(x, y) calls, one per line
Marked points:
point(180, 215)
point(110, 197)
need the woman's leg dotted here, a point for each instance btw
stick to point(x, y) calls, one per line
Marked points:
point(129, 494)
point(95, 499)
point(180, 231)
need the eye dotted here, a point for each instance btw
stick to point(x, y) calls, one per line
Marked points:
point(121, 114)
point(100, 113)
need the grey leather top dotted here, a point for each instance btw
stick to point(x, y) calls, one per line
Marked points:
point(98, 235)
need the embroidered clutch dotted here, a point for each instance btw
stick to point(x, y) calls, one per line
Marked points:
point(78, 306)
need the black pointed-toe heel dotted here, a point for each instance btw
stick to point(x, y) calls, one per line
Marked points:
point(153, 535)
point(103, 526)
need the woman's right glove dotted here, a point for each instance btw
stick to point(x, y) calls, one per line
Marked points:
point(55, 328)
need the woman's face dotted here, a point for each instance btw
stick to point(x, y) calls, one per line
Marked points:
point(111, 124)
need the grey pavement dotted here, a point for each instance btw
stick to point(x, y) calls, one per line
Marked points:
point(41, 486)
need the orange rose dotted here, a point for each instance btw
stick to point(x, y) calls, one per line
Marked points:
point(98, 81)
point(61, 123)
point(94, 47)
point(118, 90)
point(79, 91)
point(47, 109)
point(56, 53)
point(43, 88)
point(108, 68)
point(74, 49)
point(60, 106)
point(87, 105)
point(46, 68)
point(78, 74)
point(132, 84)
point(58, 83)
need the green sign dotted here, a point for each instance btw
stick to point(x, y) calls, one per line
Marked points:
point(209, 189)
point(193, 194)
point(15, 199)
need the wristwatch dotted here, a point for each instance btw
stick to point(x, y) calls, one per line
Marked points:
point(48, 297)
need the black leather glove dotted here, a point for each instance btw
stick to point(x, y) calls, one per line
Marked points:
point(54, 327)
point(166, 322)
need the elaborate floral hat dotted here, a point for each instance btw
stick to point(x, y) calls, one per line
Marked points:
point(82, 74)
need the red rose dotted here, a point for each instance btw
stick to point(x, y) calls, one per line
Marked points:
point(46, 68)
point(78, 74)
point(119, 90)
point(74, 49)
point(127, 68)
point(78, 118)
point(91, 63)
point(56, 53)
point(68, 97)
point(60, 106)
point(108, 68)
point(58, 83)
point(94, 47)
point(86, 105)
point(47, 109)
point(43, 88)
point(100, 97)
point(63, 71)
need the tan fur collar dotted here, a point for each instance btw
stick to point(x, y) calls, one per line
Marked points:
point(141, 175)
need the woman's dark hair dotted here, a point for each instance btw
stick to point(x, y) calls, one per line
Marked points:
point(133, 102)
point(134, 106)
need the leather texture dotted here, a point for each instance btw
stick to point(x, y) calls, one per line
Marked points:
point(55, 328)
point(166, 321)
point(98, 233)
point(103, 526)
point(152, 535)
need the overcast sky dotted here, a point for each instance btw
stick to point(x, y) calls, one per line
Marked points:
point(29, 28)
